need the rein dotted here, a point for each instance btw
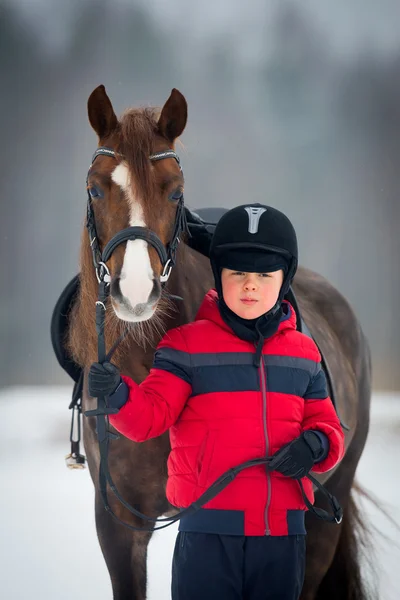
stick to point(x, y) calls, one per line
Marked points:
point(167, 257)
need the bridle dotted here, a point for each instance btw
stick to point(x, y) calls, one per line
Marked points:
point(167, 257)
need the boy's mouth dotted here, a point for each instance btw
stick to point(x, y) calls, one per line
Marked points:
point(248, 301)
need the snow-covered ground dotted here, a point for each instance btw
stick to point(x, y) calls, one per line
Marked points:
point(48, 543)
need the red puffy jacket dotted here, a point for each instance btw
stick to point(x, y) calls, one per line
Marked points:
point(222, 410)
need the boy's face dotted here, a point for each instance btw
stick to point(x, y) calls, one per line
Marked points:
point(250, 295)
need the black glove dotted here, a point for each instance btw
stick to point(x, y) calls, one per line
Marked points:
point(297, 458)
point(103, 379)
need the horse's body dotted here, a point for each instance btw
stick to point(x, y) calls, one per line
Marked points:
point(139, 469)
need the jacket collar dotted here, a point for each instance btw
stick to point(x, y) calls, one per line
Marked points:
point(209, 311)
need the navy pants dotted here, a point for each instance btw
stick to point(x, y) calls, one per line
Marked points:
point(207, 566)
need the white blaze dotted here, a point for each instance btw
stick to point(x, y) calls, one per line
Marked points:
point(137, 274)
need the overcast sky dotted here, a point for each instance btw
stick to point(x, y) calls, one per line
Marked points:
point(347, 27)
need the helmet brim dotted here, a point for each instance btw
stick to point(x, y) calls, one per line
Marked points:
point(222, 248)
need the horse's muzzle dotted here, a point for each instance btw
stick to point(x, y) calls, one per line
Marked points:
point(141, 311)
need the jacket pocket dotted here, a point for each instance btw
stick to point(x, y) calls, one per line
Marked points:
point(205, 457)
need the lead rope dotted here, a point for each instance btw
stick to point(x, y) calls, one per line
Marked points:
point(104, 435)
point(101, 414)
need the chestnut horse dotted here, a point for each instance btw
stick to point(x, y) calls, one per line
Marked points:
point(128, 190)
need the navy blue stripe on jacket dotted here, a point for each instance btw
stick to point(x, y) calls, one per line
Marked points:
point(231, 522)
point(235, 372)
point(317, 388)
point(174, 361)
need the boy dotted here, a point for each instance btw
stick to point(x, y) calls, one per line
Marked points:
point(237, 384)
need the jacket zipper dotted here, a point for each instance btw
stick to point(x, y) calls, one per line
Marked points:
point(264, 397)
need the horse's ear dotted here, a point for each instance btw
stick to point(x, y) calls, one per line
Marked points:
point(173, 116)
point(101, 113)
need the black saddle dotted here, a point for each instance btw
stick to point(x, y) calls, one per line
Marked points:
point(201, 224)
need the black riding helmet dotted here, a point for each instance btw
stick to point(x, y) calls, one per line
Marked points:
point(254, 238)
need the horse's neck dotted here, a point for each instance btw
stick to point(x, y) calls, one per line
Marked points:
point(190, 279)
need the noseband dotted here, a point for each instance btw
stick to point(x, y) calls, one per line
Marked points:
point(167, 255)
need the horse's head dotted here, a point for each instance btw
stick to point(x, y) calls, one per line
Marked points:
point(131, 190)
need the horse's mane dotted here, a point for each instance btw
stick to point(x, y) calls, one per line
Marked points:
point(137, 130)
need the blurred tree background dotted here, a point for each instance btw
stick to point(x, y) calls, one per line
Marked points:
point(292, 103)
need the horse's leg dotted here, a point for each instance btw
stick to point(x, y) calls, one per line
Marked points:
point(333, 568)
point(344, 578)
point(332, 565)
point(139, 473)
point(125, 553)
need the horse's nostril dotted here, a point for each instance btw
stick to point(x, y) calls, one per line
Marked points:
point(156, 291)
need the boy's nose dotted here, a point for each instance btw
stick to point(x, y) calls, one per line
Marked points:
point(249, 284)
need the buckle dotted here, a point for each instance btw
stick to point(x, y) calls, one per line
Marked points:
point(339, 519)
point(338, 510)
point(166, 271)
point(102, 273)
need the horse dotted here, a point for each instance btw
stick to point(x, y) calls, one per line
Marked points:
point(127, 189)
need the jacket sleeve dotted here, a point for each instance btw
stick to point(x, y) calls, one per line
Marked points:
point(320, 416)
point(155, 404)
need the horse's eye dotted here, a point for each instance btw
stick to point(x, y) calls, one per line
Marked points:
point(94, 192)
point(177, 195)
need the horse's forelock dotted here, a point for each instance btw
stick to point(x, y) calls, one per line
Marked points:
point(138, 128)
